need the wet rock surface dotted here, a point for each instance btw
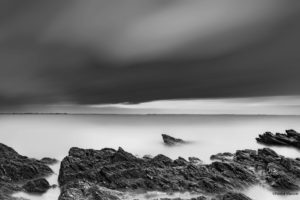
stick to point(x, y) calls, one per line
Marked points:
point(289, 138)
point(85, 190)
point(122, 171)
point(16, 169)
point(232, 196)
point(169, 140)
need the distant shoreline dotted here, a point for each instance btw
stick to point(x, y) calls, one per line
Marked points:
point(135, 114)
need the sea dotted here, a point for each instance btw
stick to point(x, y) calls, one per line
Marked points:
point(52, 135)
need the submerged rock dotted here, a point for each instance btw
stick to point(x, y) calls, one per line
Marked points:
point(290, 138)
point(169, 140)
point(39, 186)
point(16, 169)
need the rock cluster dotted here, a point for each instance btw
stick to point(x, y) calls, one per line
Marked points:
point(122, 171)
point(290, 138)
point(278, 172)
point(169, 140)
point(16, 170)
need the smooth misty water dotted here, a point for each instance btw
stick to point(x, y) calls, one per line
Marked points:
point(52, 136)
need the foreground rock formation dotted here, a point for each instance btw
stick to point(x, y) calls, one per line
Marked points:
point(290, 138)
point(87, 172)
point(169, 140)
point(16, 170)
point(280, 173)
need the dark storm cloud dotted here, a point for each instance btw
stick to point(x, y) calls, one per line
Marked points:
point(92, 52)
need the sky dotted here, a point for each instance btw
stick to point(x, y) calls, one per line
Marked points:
point(100, 52)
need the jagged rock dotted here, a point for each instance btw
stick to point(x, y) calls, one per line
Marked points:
point(39, 186)
point(15, 169)
point(280, 173)
point(169, 140)
point(120, 170)
point(290, 138)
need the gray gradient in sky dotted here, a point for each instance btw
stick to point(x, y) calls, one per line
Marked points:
point(98, 51)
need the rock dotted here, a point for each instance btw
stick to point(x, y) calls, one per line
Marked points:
point(290, 138)
point(279, 172)
point(181, 161)
point(49, 161)
point(169, 140)
point(16, 169)
point(232, 196)
point(38, 186)
point(84, 190)
point(120, 170)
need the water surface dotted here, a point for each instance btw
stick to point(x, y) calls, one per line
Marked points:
point(53, 135)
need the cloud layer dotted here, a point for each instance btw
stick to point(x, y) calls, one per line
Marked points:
point(93, 52)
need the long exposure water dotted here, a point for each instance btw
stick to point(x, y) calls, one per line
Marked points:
point(52, 136)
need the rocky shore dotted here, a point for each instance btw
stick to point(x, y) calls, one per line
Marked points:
point(85, 170)
point(18, 173)
point(115, 174)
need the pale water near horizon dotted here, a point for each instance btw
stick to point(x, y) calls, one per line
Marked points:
point(41, 136)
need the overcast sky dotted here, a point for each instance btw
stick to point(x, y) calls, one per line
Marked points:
point(106, 52)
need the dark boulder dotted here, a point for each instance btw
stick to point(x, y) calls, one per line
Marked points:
point(169, 140)
point(38, 186)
